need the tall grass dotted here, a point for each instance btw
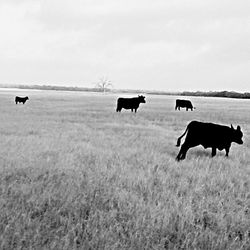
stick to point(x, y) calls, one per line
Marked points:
point(75, 174)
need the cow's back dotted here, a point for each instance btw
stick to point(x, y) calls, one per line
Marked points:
point(208, 134)
point(184, 103)
point(127, 102)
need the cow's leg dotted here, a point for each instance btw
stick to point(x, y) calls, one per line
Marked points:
point(186, 109)
point(227, 151)
point(213, 152)
point(183, 152)
point(135, 110)
point(131, 110)
point(178, 157)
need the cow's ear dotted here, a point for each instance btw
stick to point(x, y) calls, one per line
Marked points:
point(232, 126)
point(238, 128)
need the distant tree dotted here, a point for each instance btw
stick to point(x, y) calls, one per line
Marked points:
point(104, 84)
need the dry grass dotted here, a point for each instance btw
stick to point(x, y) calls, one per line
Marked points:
point(76, 174)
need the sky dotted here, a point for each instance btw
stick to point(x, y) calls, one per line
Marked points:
point(169, 45)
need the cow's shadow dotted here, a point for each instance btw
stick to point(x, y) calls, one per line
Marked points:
point(200, 153)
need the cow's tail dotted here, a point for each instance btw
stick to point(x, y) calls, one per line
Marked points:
point(179, 139)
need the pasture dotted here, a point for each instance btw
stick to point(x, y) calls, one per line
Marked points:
point(74, 174)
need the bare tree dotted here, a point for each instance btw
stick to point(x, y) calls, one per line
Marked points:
point(104, 83)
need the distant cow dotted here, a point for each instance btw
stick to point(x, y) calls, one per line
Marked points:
point(209, 135)
point(130, 103)
point(21, 99)
point(184, 104)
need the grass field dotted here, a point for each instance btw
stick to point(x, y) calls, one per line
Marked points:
point(74, 174)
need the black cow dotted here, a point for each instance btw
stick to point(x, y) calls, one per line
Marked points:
point(130, 103)
point(209, 135)
point(184, 104)
point(21, 99)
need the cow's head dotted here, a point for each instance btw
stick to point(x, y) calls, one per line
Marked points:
point(237, 134)
point(141, 98)
point(27, 98)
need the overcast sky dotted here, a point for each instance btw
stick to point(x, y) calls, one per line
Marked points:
point(170, 45)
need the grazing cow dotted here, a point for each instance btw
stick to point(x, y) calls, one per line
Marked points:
point(130, 103)
point(184, 104)
point(21, 99)
point(209, 135)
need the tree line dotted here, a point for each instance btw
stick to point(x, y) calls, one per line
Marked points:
point(229, 94)
point(107, 87)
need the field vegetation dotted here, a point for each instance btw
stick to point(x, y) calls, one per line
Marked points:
point(74, 174)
